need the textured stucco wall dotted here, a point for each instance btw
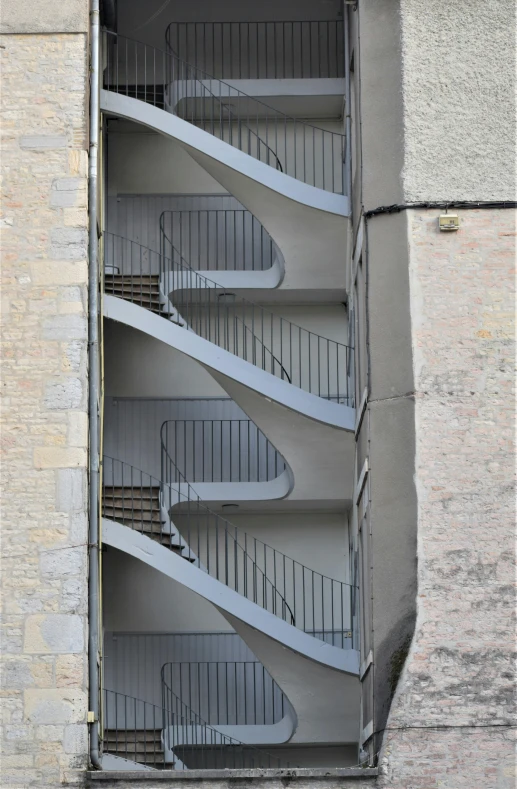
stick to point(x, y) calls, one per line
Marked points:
point(445, 73)
point(44, 16)
point(458, 86)
point(44, 387)
point(449, 721)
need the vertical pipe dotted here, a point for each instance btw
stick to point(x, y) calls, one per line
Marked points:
point(94, 392)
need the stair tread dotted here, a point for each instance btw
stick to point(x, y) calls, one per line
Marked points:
point(135, 492)
point(151, 296)
point(127, 517)
point(132, 277)
point(153, 488)
point(141, 504)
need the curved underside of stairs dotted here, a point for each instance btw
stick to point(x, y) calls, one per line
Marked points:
point(320, 681)
point(309, 432)
point(295, 214)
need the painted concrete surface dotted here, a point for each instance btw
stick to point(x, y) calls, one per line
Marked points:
point(320, 681)
point(295, 214)
point(326, 701)
point(307, 430)
point(229, 602)
point(305, 444)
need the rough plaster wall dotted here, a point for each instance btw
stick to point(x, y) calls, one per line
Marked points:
point(44, 16)
point(458, 64)
point(44, 433)
point(455, 698)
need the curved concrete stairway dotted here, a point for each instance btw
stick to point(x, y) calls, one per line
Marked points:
point(296, 213)
point(281, 609)
point(140, 736)
point(320, 681)
point(309, 431)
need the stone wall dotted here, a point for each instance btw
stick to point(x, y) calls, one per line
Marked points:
point(450, 718)
point(44, 387)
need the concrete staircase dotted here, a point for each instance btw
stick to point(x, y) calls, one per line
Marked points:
point(139, 508)
point(143, 290)
point(143, 746)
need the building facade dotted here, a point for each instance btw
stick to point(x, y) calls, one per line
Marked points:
point(267, 529)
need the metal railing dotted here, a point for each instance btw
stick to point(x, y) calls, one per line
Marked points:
point(261, 50)
point(211, 543)
point(308, 153)
point(196, 745)
point(312, 602)
point(173, 737)
point(221, 450)
point(305, 598)
point(237, 693)
point(313, 363)
point(218, 239)
point(133, 729)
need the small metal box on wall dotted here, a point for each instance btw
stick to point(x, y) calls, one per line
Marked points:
point(448, 222)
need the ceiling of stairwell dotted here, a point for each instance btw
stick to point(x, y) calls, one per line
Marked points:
point(147, 21)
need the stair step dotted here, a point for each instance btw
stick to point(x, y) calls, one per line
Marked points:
point(132, 278)
point(148, 759)
point(131, 517)
point(120, 281)
point(140, 746)
point(140, 735)
point(134, 503)
point(152, 296)
point(144, 299)
point(135, 490)
point(165, 541)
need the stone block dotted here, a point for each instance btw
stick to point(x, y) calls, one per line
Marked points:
point(65, 327)
point(50, 733)
point(16, 674)
point(70, 671)
point(64, 394)
point(78, 527)
point(74, 596)
point(76, 738)
point(71, 293)
point(68, 192)
point(78, 162)
point(51, 272)
point(73, 357)
point(70, 490)
point(68, 243)
point(73, 216)
point(19, 732)
point(54, 633)
point(55, 706)
point(78, 429)
point(62, 563)
point(59, 457)
point(43, 142)
point(72, 308)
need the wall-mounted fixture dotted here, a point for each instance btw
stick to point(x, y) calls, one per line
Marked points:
point(449, 222)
